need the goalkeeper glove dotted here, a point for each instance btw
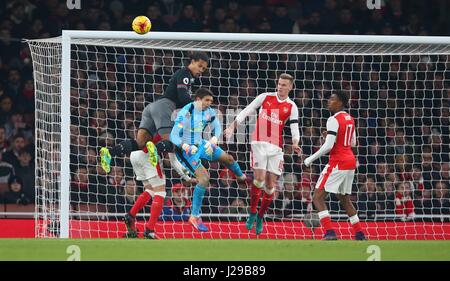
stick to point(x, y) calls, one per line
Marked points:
point(214, 140)
point(189, 149)
point(209, 146)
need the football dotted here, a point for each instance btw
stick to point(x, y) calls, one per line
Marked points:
point(141, 24)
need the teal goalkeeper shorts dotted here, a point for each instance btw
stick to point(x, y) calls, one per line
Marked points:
point(193, 162)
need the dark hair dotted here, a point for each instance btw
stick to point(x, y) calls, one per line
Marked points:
point(16, 179)
point(196, 56)
point(342, 97)
point(202, 92)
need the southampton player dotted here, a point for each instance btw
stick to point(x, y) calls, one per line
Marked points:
point(156, 122)
point(154, 187)
point(191, 148)
point(337, 177)
point(275, 111)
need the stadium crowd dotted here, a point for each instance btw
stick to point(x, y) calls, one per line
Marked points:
point(401, 107)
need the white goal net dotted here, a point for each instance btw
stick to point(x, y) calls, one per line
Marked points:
point(399, 93)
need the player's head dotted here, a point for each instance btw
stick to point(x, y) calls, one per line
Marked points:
point(337, 102)
point(199, 63)
point(203, 98)
point(285, 85)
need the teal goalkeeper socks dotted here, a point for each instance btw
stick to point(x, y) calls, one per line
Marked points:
point(236, 169)
point(197, 199)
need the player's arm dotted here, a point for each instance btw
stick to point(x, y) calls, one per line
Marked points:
point(332, 129)
point(182, 88)
point(249, 109)
point(295, 133)
point(176, 135)
point(217, 129)
point(354, 148)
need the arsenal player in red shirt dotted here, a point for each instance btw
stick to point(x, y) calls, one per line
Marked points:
point(275, 110)
point(337, 176)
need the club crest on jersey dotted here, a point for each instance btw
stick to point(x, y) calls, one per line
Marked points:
point(207, 117)
point(285, 109)
point(185, 80)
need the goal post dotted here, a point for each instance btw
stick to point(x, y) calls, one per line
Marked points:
point(114, 73)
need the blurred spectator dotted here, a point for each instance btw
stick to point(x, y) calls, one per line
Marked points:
point(285, 203)
point(6, 104)
point(403, 202)
point(154, 14)
point(237, 206)
point(441, 198)
point(187, 21)
point(79, 186)
point(417, 181)
point(25, 171)
point(219, 18)
point(346, 24)
point(12, 155)
point(6, 173)
point(16, 195)
point(178, 207)
point(3, 140)
point(14, 84)
point(304, 188)
point(314, 25)
point(281, 22)
point(130, 193)
point(367, 198)
point(229, 25)
point(16, 126)
point(220, 197)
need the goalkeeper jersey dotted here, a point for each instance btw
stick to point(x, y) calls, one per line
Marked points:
point(190, 124)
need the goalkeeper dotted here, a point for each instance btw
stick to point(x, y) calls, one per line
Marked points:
point(191, 148)
point(156, 122)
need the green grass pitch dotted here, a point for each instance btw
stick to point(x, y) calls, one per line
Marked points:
point(222, 250)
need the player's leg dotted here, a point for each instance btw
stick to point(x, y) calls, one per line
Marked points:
point(144, 135)
point(159, 195)
point(344, 198)
point(267, 198)
point(162, 111)
point(255, 194)
point(329, 181)
point(154, 186)
point(123, 148)
point(228, 161)
point(274, 167)
point(322, 211)
point(259, 165)
point(202, 176)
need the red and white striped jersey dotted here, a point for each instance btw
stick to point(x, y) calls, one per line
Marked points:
point(272, 116)
point(342, 126)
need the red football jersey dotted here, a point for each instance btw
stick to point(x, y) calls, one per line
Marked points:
point(343, 126)
point(272, 117)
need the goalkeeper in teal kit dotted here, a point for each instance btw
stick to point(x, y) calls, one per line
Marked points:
point(191, 148)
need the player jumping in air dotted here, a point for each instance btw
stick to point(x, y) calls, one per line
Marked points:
point(156, 123)
point(337, 177)
point(191, 148)
point(275, 111)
